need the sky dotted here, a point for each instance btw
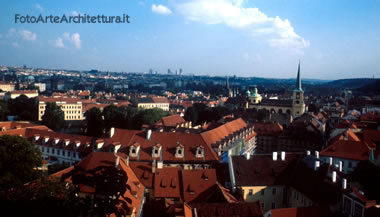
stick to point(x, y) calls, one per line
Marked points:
point(333, 39)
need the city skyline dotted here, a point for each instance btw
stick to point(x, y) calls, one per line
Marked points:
point(219, 37)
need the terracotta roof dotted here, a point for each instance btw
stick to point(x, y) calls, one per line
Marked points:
point(152, 100)
point(197, 184)
point(24, 91)
point(143, 171)
point(300, 212)
point(169, 142)
point(347, 149)
point(262, 170)
point(171, 121)
point(96, 159)
point(167, 182)
point(225, 130)
point(270, 129)
point(253, 209)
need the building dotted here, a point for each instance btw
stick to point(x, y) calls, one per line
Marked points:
point(6, 87)
point(151, 102)
point(41, 86)
point(72, 107)
point(295, 106)
point(267, 137)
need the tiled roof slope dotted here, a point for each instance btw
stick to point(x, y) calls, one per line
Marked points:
point(171, 121)
point(224, 209)
point(262, 170)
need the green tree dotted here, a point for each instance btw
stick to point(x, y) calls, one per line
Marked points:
point(18, 160)
point(109, 184)
point(112, 117)
point(24, 107)
point(54, 117)
point(94, 121)
point(4, 111)
point(148, 116)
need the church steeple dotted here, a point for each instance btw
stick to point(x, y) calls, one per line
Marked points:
point(298, 83)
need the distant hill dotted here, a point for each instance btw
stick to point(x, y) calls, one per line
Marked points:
point(372, 88)
point(354, 83)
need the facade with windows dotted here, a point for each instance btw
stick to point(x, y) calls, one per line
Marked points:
point(71, 107)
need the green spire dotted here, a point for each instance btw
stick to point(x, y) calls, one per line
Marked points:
point(298, 83)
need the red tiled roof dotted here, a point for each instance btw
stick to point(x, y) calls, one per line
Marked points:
point(347, 149)
point(219, 133)
point(271, 129)
point(253, 209)
point(169, 142)
point(96, 159)
point(197, 184)
point(143, 171)
point(166, 182)
point(171, 121)
point(300, 212)
point(23, 91)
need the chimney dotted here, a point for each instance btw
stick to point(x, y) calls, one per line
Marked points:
point(160, 164)
point(307, 152)
point(330, 161)
point(247, 155)
point(274, 156)
point(117, 161)
point(316, 165)
point(333, 176)
point(112, 131)
point(283, 155)
point(317, 154)
point(340, 166)
point(154, 166)
point(149, 134)
point(344, 183)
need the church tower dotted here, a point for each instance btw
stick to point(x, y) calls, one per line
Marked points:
point(298, 107)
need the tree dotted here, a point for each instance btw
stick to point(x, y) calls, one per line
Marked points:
point(24, 107)
point(109, 184)
point(54, 117)
point(94, 121)
point(112, 117)
point(18, 160)
point(4, 111)
point(148, 116)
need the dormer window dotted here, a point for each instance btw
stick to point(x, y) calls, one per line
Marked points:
point(134, 150)
point(200, 152)
point(114, 147)
point(156, 150)
point(99, 144)
point(179, 152)
point(67, 142)
point(77, 144)
point(56, 141)
point(36, 138)
point(46, 139)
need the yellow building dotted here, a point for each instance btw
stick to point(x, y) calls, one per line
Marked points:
point(6, 87)
point(152, 102)
point(71, 107)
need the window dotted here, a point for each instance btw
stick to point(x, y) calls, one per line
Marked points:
point(262, 193)
point(68, 154)
point(43, 149)
point(58, 152)
point(47, 150)
point(53, 151)
point(250, 193)
point(274, 191)
point(358, 211)
point(273, 205)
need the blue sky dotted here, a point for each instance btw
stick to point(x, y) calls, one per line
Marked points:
point(265, 38)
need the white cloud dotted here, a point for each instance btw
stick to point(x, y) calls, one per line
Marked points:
point(75, 39)
point(74, 13)
point(275, 31)
point(27, 35)
point(59, 43)
point(161, 9)
point(15, 45)
point(38, 6)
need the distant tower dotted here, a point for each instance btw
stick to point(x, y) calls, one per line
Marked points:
point(230, 92)
point(298, 107)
